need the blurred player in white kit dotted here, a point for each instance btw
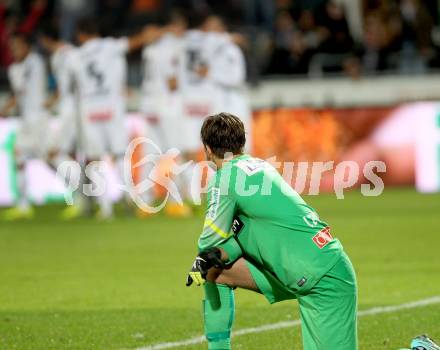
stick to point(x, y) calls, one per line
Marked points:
point(27, 76)
point(200, 96)
point(160, 85)
point(162, 100)
point(188, 76)
point(228, 71)
point(98, 67)
point(64, 144)
point(212, 76)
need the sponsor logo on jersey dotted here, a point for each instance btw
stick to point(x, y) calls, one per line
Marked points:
point(323, 237)
point(197, 110)
point(100, 116)
point(237, 225)
point(214, 203)
point(301, 282)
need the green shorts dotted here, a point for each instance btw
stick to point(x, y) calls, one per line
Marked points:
point(328, 311)
point(272, 289)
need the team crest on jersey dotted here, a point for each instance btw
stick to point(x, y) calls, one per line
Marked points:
point(323, 237)
point(311, 219)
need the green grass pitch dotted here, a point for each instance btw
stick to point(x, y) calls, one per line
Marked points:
point(120, 285)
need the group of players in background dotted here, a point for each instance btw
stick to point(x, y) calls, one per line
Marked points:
point(190, 72)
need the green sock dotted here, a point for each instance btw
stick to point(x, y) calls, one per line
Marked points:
point(218, 312)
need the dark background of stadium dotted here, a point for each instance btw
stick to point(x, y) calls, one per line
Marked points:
point(289, 38)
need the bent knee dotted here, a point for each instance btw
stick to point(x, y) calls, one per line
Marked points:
point(222, 279)
point(219, 276)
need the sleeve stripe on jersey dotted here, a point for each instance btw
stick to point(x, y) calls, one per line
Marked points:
point(209, 223)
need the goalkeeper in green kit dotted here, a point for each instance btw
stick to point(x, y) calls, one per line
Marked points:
point(260, 235)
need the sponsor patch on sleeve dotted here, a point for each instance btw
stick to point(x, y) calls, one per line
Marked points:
point(322, 238)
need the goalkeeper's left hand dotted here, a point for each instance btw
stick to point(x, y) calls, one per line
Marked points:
point(203, 262)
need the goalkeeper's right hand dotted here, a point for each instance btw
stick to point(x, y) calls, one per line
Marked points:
point(203, 262)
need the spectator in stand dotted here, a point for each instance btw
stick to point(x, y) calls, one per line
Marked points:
point(294, 44)
point(335, 27)
point(69, 12)
point(417, 26)
point(393, 22)
point(285, 29)
point(259, 13)
point(12, 22)
point(285, 32)
point(372, 56)
point(142, 12)
point(112, 16)
point(433, 7)
point(284, 36)
point(310, 5)
point(230, 9)
point(308, 39)
point(310, 33)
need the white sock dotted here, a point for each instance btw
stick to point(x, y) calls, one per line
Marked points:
point(22, 200)
point(105, 205)
point(105, 202)
point(77, 194)
point(120, 168)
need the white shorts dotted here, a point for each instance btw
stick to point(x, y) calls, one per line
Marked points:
point(32, 140)
point(104, 133)
point(192, 142)
point(197, 105)
point(164, 119)
point(66, 136)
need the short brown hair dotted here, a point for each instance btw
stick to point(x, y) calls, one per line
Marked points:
point(223, 133)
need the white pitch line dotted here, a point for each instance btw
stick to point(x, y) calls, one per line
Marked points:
point(286, 324)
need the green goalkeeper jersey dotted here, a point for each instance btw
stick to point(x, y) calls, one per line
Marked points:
point(273, 227)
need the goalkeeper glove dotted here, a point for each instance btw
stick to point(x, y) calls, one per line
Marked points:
point(204, 261)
